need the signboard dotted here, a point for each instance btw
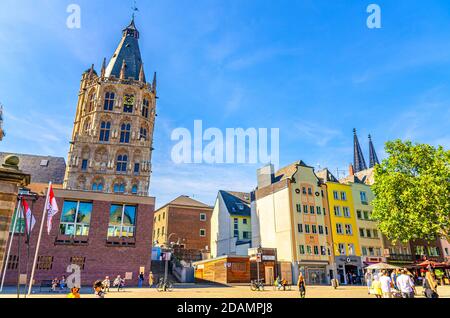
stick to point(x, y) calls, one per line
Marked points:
point(128, 275)
point(167, 256)
point(142, 269)
point(268, 257)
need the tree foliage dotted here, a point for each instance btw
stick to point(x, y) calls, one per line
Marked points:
point(412, 192)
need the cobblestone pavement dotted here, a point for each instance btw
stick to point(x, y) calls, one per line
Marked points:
point(202, 291)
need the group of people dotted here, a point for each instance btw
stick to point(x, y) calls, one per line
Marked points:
point(103, 287)
point(59, 283)
point(400, 283)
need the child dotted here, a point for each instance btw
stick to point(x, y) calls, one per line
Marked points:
point(98, 289)
point(74, 293)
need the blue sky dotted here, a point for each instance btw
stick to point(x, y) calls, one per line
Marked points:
point(309, 67)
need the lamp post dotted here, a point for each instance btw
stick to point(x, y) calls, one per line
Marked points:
point(166, 269)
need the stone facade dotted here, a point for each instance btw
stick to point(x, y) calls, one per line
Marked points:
point(112, 137)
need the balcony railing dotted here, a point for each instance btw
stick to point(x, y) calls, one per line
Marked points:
point(400, 257)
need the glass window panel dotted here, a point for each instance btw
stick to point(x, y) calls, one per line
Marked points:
point(129, 215)
point(69, 211)
point(115, 215)
point(84, 213)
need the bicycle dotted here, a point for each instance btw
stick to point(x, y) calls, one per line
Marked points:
point(164, 286)
point(257, 285)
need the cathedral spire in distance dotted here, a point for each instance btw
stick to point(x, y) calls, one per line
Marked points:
point(372, 154)
point(359, 163)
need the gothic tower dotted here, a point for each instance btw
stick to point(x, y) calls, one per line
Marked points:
point(359, 163)
point(111, 146)
point(372, 154)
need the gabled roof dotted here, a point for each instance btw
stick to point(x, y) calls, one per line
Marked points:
point(128, 51)
point(237, 203)
point(42, 169)
point(288, 171)
point(187, 201)
point(366, 176)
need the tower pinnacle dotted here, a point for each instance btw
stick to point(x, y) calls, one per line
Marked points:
point(372, 154)
point(359, 164)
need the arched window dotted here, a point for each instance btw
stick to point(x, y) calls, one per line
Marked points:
point(134, 189)
point(125, 133)
point(105, 128)
point(145, 107)
point(143, 133)
point(128, 103)
point(122, 161)
point(119, 187)
point(109, 101)
point(97, 186)
point(91, 102)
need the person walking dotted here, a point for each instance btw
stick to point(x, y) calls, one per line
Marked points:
point(430, 285)
point(140, 280)
point(106, 284)
point(376, 287)
point(405, 284)
point(368, 278)
point(150, 279)
point(386, 285)
point(98, 289)
point(118, 282)
point(301, 285)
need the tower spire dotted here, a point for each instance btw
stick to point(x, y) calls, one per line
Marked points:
point(359, 164)
point(103, 68)
point(372, 154)
point(154, 83)
point(142, 74)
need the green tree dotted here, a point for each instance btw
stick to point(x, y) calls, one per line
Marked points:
point(412, 192)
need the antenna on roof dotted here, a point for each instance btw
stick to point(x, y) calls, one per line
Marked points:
point(134, 8)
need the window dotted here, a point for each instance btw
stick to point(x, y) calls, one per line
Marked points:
point(236, 228)
point(76, 218)
point(314, 229)
point(371, 251)
point(348, 229)
point(202, 216)
point(122, 220)
point(109, 101)
point(78, 260)
point(244, 221)
point(300, 228)
point(446, 251)
point(13, 262)
point(346, 211)
point(366, 215)
point(318, 210)
point(359, 214)
point(238, 267)
point(309, 191)
point(326, 230)
point(137, 167)
point(375, 233)
point(311, 209)
point(335, 195)
point(420, 250)
point(303, 190)
point(246, 235)
point(128, 103)
point(308, 249)
point(84, 165)
point(302, 249)
point(433, 251)
point(378, 251)
point(299, 208)
point(202, 232)
point(105, 128)
point(320, 229)
point(368, 233)
point(307, 230)
point(44, 263)
point(324, 211)
point(134, 189)
point(143, 133)
point(337, 210)
point(343, 196)
point(91, 102)
point(339, 228)
point(316, 250)
point(351, 249)
point(145, 107)
point(305, 209)
point(364, 251)
point(363, 197)
point(164, 215)
point(119, 187)
point(122, 161)
point(125, 133)
point(323, 251)
point(361, 232)
point(341, 249)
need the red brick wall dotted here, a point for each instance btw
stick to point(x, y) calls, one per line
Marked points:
point(185, 222)
point(101, 260)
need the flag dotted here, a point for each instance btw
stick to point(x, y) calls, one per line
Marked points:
point(30, 221)
point(52, 208)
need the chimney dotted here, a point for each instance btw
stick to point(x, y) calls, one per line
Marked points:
point(351, 170)
point(265, 176)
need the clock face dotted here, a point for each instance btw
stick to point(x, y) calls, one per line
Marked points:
point(128, 99)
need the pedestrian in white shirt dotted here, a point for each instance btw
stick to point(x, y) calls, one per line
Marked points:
point(405, 284)
point(386, 284)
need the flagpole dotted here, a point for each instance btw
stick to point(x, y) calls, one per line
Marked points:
point(5, 265)
point(28, 246)
point(19, 241)
point(39, 239)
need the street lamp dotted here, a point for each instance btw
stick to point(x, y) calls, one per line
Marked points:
point(166, 269)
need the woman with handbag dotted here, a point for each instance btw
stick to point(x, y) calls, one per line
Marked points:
point(430, 286)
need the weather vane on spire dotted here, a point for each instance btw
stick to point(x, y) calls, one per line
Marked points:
point(134, 8)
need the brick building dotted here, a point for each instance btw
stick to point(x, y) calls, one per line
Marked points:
point(104, 234)
point(185, 222)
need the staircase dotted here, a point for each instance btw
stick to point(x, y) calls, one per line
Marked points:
point(158, 268)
